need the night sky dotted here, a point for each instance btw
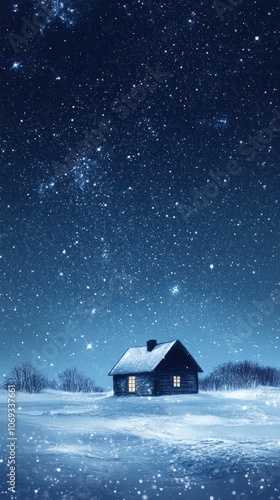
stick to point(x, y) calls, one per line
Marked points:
point(117, 224)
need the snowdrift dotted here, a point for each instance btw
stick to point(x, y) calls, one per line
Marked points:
point(213, 445)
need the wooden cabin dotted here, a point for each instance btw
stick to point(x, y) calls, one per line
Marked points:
point(155, 370)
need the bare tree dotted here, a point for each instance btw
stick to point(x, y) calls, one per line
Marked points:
point(242, 375)
point(72, 380)
point(26, 378)
point(52, 384)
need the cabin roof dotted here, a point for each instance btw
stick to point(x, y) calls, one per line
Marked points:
point(139, 360)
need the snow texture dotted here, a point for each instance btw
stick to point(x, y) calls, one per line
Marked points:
point(207, 446)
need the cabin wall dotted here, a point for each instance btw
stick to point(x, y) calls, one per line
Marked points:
point(144, 385)
point(120, 385)
point(164, 382)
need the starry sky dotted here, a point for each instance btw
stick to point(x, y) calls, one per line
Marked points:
point(139, 181)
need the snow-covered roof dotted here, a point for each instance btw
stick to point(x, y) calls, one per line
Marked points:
point(139, 360)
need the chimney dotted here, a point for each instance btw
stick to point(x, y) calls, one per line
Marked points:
point(151, 344)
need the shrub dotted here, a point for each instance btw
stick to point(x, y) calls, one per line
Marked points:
point(72, 380)
point(26, 378)
point(242, 375)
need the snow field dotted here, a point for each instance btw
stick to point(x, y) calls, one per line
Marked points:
point(93, 446)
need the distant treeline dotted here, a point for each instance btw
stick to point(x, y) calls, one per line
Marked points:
point(27, 378)
point(242, 375)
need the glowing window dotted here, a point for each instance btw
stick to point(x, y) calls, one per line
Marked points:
point(131, 384)
point(176, 381)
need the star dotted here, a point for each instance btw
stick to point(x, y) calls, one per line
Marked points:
point(16, 65)
point(174, 290)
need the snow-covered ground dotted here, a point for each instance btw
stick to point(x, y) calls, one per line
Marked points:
point(214, 445)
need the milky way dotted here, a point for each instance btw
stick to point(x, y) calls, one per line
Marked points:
point(139, 181)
